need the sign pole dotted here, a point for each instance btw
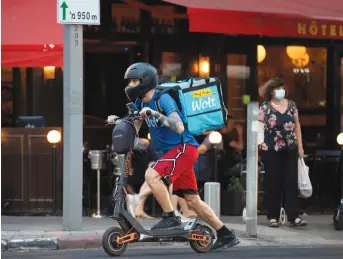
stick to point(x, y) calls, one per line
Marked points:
point(252, 168)
point(73, 14)
point(72, 127)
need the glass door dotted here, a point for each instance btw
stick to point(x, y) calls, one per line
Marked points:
point(240, 80)
point(237, 76)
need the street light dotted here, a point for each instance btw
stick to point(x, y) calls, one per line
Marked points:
point(215, 138)
point(54, 137)
point(338, 214)
point(340, 139)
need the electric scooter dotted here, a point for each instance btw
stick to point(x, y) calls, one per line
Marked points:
point(116, 239)
point(338, 214)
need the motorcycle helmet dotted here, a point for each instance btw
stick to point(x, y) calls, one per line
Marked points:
point(147, 74)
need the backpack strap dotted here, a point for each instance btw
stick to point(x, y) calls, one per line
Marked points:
point(161, 91)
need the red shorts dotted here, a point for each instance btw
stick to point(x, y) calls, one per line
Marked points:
point(178, 164)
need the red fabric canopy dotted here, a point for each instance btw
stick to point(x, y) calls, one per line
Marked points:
point(31, 36)
point(291, 18)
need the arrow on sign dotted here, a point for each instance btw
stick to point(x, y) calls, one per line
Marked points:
point(64, 7)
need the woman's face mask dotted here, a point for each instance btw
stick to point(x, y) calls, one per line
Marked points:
point(279, 94)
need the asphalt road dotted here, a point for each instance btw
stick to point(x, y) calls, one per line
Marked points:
point(171, 253)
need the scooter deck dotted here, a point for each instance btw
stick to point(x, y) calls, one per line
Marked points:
point(181, 230)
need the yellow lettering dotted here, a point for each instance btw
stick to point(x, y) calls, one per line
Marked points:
point(324, 27)
point(313, 28)
point(333, 31)
point(202, 93)
point(341, 30)
point(302, 28)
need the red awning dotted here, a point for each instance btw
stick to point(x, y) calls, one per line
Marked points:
point(30, 34)
point(291, 18)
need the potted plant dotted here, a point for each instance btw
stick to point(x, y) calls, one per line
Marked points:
point(232, 199)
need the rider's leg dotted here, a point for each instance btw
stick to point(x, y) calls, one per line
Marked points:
point(159, 189)
point(174, 199)
point(226, 238)
point(187, 187)
point(203, 210)
point(186, 211)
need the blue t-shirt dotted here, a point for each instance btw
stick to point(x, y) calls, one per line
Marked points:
point(164, 138)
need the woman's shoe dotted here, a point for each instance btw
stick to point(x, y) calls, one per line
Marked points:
point(273, 223)
point(298, 222)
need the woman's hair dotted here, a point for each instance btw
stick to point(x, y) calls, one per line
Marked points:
point(266, 90)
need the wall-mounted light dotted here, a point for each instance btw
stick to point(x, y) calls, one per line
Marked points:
point(204, 66)
point(301, 62)
point(49, 72)
point(296, 52)
point(261, 53)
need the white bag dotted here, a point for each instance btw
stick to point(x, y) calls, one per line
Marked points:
point(304, 182)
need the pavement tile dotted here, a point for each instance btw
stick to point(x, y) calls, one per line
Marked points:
point(31, 233)
point(57, 234)
point(83, 233)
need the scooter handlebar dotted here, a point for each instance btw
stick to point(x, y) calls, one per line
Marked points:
point(148, 113)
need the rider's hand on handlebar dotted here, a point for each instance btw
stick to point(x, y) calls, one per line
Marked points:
point(111, 119)
point(146, 112)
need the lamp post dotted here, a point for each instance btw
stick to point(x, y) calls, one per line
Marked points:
point(212, 189)
point(54, 137)
point(215, 138)
point(338, 215)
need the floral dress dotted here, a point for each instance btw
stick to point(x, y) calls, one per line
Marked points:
point(279, 128)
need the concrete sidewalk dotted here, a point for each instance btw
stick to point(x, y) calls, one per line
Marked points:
point(31, 233)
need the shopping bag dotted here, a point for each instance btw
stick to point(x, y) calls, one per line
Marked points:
point(304, 182)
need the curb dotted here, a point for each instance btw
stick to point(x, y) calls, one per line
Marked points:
point(66, 243)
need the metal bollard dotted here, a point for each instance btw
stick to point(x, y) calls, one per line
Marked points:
point(212, 196)
point(97, 163)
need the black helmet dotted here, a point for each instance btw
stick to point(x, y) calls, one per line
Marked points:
point(147, 74)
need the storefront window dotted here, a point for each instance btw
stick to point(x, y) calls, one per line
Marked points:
point(341, 75)
point(302, 68)
point(171, 66)
point(6, 97)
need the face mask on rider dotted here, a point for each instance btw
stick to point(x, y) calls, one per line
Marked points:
point(279, 94)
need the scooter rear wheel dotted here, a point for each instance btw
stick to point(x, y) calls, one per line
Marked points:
point(201, 246)
point(109, 242)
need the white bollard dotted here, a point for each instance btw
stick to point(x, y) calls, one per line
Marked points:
point(212, 196)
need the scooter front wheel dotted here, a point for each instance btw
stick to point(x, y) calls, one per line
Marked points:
point(202, 246)
point(109, 242)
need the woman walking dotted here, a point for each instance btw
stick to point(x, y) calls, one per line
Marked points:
point(280, 152)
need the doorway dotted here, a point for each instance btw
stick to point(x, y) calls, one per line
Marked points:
point(104, 84)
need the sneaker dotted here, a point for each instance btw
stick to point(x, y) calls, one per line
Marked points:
point(167, 222)
point(225, 242)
